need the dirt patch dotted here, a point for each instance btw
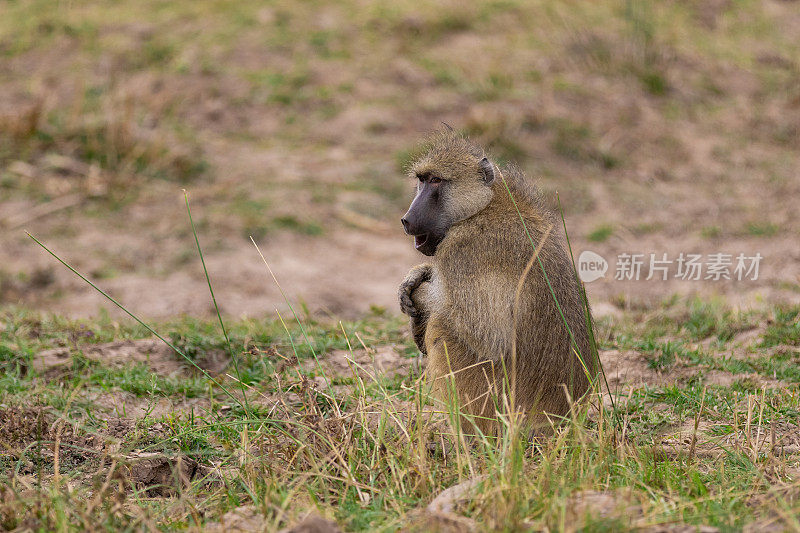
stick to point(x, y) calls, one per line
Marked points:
point(39, 442)
point(685, 441)
point(627, 369)
point(28, 436)
point(160, 475)
point(126, 405)
point(726, 379)
point(247, 519)
point(243, 519)
point(748, 337)
point(423, 522)
point(449, 499)
point(697, 156)
point(374, 363)
point(603, 504)
point(159, 357)
point(313, 524)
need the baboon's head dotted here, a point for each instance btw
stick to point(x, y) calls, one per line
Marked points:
point(454, 182)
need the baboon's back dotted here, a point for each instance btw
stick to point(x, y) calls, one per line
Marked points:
point(481, 262)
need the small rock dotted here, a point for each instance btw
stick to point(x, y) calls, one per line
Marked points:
point(240, 520)
point(160, 475)
point(447, 500)
point(603, 504)
point(313, 524)
point(21, 168)
point(605, 309)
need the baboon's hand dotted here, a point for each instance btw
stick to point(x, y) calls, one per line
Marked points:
point(416, 277)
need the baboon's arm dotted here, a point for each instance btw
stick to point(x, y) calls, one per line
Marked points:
point(423, 299)
point(416, 301)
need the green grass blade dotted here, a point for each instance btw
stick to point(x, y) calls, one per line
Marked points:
point(216, 307)
point(544, 272)
point(589, 322)
point(136, 318)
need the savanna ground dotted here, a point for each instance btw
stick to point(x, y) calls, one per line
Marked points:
point(664, 127)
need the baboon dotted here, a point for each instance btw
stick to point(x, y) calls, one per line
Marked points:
point(490, 334)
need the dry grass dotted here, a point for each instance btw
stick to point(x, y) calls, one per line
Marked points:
point(369, 449)
point(670, 125)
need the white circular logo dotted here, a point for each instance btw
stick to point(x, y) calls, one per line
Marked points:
point(591, 266)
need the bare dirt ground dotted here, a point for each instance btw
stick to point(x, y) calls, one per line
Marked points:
point(662, 127)
point(655, 143)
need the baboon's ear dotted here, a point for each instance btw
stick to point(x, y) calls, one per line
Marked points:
point(487, 170)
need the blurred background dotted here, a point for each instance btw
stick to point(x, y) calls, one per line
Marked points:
point(664, 127)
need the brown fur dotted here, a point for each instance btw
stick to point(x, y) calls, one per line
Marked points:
point(463, 300)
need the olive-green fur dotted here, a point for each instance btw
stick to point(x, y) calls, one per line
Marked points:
point(465, 298)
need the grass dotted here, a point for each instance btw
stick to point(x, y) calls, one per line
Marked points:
point(370, 453)
point(576, 142)
point(705, 438)
point(101, 142)
point(762, 229)
point(712, 318)
point(784, 328)
point(601, 233)
point(289, 433)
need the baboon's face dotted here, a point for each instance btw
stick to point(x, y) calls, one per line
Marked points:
point(448, 192)
point(427, 219)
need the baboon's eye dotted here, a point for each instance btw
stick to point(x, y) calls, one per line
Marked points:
point(434, 179)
